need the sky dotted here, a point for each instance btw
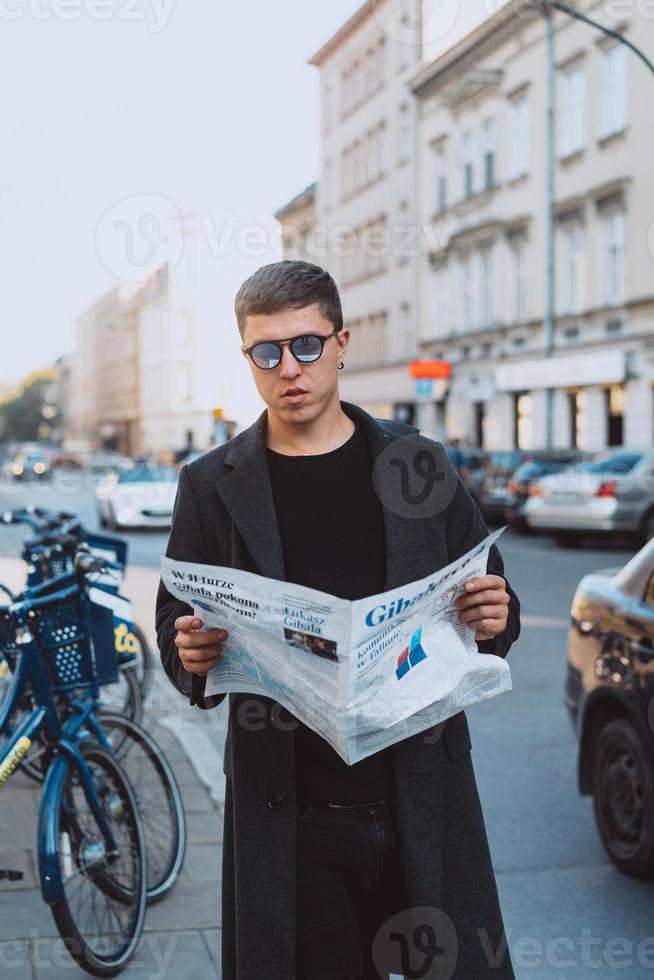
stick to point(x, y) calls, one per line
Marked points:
point(206, 104)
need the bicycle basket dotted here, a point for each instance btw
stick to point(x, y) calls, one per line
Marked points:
point(75, 639)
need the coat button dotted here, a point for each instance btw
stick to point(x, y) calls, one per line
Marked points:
point(276, 801)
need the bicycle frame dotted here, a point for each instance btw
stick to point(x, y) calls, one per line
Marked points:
point(65, 742)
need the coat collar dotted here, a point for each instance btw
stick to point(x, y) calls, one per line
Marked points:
point(247, 494)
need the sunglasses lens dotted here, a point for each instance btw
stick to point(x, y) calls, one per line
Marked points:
point(308, 348)
point(266, 355)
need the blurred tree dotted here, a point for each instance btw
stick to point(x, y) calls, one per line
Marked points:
point(22, 412)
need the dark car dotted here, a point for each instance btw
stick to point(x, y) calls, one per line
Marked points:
point(501, 467)
point(610, 698)
point(472, 465)
point(539, 464)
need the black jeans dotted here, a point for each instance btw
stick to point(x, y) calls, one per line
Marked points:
point(349, 882)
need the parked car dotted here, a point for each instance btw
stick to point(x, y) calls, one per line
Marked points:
point(103, 461)
point(609, 494)
point(472, 464)
point(501, 467)
point(610, 697)
point(540, 463)
point(137, 498)
point(29, 464)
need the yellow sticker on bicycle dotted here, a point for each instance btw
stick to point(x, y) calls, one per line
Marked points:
point(4, 667)
point(13, 759)
point(126, 641)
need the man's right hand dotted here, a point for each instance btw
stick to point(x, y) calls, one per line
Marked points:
point(198, 650)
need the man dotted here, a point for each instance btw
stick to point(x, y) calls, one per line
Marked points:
point(318, 856)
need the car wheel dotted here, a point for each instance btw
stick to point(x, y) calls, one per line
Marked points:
point(623, 798)
point(568, 539)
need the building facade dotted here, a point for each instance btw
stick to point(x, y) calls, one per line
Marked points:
point(366, 200)
point(482, 282)
point(298, 221)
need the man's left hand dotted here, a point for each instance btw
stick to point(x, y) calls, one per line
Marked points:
point(484, 606)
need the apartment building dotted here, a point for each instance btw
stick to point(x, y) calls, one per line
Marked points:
point(158, 367)
point(482, 284)
point(298, 220)
point(366, 200)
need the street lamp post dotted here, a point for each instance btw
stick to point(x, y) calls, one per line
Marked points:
point(549, 191)
point(547, 8)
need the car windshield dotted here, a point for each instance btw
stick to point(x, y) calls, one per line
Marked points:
point(615, 463)
point(153, 474)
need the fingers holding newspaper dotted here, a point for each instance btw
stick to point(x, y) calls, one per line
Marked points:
point(484, 606)
point(198, 649)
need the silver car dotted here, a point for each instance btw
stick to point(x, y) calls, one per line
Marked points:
point(609, 494)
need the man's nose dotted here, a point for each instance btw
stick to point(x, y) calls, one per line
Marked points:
point(289, 367)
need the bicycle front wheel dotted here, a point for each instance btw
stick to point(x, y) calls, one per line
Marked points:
point(158, 798)
point(101, 915)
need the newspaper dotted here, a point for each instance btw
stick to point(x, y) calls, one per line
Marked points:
point(363, 674)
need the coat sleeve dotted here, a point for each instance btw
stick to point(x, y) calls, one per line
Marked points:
point(185, 543)
point(465, 527)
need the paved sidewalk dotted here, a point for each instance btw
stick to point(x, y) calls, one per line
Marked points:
point(182, 934)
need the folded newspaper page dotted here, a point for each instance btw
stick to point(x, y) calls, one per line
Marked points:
point(363, 674)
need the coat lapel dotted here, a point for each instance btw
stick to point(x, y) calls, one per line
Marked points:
point(246, 493)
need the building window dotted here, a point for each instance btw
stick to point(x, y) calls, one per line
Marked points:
point(519, 282)
point(376, 329)
point(467, 165)
point(359, 164)
point(381, 63)
point(520, 137)
point(327, 108)
point(327, 182)
point(405, 133)
point(524, 421)
point(437, 305)
point(440, 180)
point(578, 414)
point(346, 92)
point(613, 104)
point(402, 47)
point(572, 251)
point(406, 331)
point(572, 134)
point(615, 406)
point(613, 265)
point(486, 287)
point(466, 293)
point(488, 132)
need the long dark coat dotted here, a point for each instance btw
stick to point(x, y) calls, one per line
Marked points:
point(224, 515)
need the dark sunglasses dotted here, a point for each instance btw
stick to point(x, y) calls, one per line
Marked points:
point(305, 349)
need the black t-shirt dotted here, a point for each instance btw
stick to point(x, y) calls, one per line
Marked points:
point(332, 532)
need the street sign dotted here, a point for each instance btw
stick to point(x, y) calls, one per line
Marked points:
point(424, 387)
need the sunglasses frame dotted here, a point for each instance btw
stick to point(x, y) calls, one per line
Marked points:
point(280, 344)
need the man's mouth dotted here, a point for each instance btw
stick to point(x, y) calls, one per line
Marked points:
point(294, 394)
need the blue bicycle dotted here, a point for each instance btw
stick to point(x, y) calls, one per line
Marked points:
point(91, 844)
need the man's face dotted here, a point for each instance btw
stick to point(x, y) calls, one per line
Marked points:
point(317, 380)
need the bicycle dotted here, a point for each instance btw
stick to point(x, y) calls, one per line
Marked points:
point(155, 787)
point(91, 839)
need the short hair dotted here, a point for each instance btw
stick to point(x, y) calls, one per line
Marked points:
point(288, 285)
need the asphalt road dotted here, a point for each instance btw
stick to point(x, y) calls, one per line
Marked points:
point(568, 913)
